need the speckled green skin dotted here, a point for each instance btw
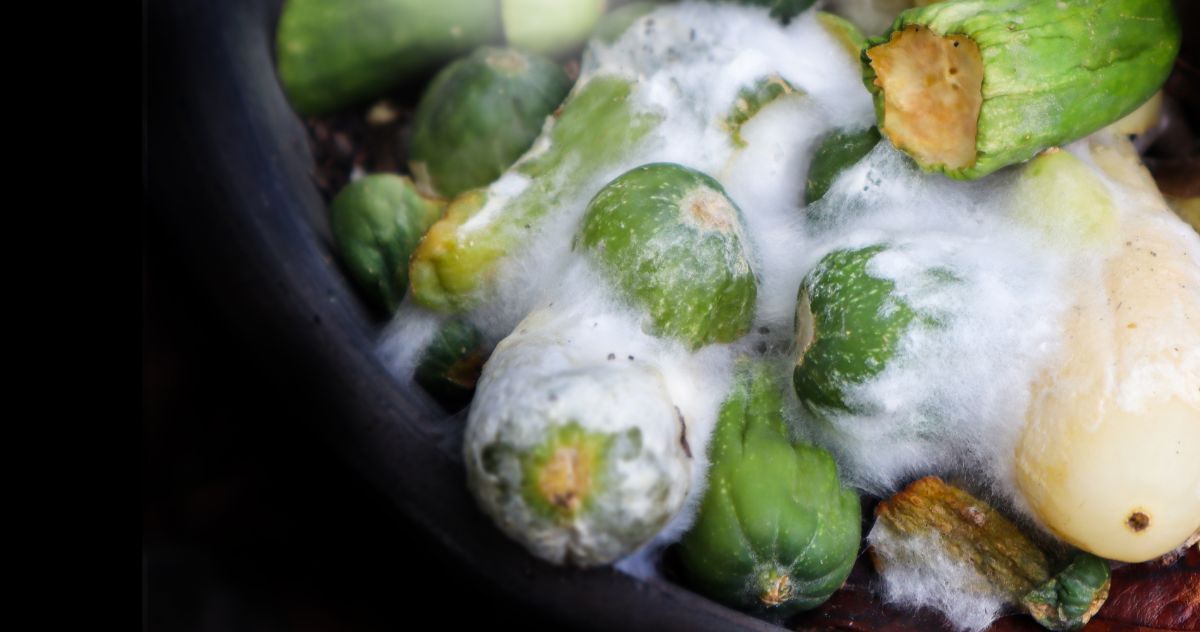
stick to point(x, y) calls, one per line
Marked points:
point(1068, 601)
point(691, 275)
point(774, 514)
point(1054, 71)
point(838, 151)
point(782, 10)
point(454, 272)
point(377, 221)
point(479, 114)
point(333, 53)
point(451, 363)
point(857, 325)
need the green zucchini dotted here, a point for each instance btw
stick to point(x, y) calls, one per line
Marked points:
point(332, 53)
point(1069, 599)
point(672, 242)
point(377, 222)
point(776, 531)
point(451, 363)
point(837, 152)
point(967, 87)
point(478, 115)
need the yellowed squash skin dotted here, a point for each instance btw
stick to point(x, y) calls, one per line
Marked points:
point(1109, 459)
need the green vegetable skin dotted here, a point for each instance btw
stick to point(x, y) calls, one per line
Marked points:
point(848, 326)
point(1070, 599)
point(453, 268)
point(837, 152)
point(967, 87)
point(479, 114)
point(776, 531)
point(377, 221)
point(451, 363)
point(332, 53)
point(671, 240)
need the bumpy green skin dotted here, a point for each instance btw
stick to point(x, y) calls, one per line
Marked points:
point(453, 272)
point(751, 100)
point(479, 114)
point(451, 363)
point(333, 53)
point(377, 221)
point(672, 242)
point(1068, 601)
point(848, 326)
point(1054, 71)
point(838, 151)
point(776, 531)
point(782, 10)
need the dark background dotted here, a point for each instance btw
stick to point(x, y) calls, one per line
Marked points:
point(249, 521)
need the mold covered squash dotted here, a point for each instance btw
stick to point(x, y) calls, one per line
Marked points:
point(577, 455)
point(673, 243)
point(479, 114)
point(1109, 457)
point(776, 531)
point(849, 324)
point(967, 87)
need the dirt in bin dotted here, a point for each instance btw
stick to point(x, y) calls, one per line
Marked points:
point(367, 139)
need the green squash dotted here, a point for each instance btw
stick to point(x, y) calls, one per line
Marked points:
point(849, 324)
point(837, 152)
point(776, 531)
point(478, 115)
point(672, 242)
point(377, 222)
point(333, 53)
point(451, 363)
point(1069, 599)
point(967, 87)
point(453, 268)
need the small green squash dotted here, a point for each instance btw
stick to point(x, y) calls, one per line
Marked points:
point(479, 114)
point(1069, 599)
point(776, 531)
point(377, 222)
point(849, 324)
point(672, 242)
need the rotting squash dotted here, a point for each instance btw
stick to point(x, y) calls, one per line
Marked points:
point(478, 115)
point(377, 222)
point(673, 243)
point(576, 454)
point(776, 531)
point(1109, 456)
point(1072, 597)
point(453, 267)
point(967, 87)
point(849, 324)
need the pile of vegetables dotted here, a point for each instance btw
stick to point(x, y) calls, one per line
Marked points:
point(750, 263)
